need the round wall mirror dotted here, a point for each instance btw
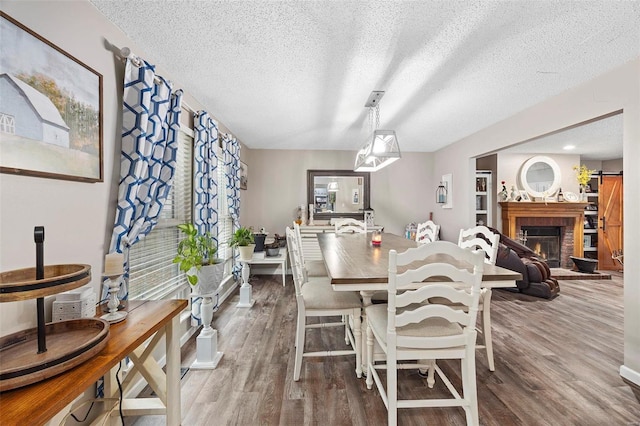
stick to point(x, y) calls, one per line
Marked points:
point(540, 176)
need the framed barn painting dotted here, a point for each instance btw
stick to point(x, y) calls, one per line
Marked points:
point(50, 109)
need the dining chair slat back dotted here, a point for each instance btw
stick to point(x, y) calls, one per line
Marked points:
point(481, 237)
point(409, 328)
point(310, 268)
point(315, 298)
point(427, 232)
point(343, 226)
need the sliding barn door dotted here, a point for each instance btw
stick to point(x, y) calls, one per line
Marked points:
point(610, 221)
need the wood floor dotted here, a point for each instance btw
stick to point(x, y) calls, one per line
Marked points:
point(556, 364)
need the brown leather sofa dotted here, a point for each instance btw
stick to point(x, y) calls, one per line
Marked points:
point(536, 276)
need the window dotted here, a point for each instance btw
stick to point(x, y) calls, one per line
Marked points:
point(7, 124)
point(225, 222)
point(153, 275)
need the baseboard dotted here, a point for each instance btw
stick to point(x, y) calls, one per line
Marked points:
point(630, 376)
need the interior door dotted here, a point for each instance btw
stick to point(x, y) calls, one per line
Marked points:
point(610, 221)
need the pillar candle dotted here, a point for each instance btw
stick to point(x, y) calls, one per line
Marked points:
point(113, 264)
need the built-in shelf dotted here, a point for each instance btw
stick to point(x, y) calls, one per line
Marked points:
point(591, 220)
point(483, 198)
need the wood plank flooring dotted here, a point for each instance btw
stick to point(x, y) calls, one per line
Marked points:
point(556, 364)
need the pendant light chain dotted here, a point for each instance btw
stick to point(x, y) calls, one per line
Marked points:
point(377, 116)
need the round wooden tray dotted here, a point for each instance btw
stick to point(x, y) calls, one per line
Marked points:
point(69, 343)
point(21, 284)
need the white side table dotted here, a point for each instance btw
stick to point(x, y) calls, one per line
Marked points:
point(262, 259)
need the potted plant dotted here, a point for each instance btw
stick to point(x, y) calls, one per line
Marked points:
point(244, 241)
point(197, 258)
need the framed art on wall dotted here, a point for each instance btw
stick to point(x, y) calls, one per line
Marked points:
point(50, 109)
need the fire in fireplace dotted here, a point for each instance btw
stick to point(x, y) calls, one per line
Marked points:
point(545, 241)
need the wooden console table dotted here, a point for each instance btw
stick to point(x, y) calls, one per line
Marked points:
point(37, 403)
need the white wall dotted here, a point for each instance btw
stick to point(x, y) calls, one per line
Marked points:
point(400, 193)
point(78, 217)
point(616, 90)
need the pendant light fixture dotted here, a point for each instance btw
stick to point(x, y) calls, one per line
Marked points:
point(332, 187)
point(383, 148)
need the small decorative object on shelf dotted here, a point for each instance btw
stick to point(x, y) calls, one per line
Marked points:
point(583, 175)
point(299, 214)
point(503, 194)
point(410, 231)
point(514, 193)
point(369, 218)
point(310, 214)
point(376, 238)
point(113, 270)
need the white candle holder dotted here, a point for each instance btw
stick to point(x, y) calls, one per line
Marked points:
point(114, 287)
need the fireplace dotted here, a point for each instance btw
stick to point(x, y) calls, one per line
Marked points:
point(568, 217)
point(544, 241)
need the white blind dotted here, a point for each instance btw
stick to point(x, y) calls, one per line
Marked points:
point(225, 223)
point(152, 273)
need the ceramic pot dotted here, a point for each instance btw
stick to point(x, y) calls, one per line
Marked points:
point(246, 252)
point(209, 278)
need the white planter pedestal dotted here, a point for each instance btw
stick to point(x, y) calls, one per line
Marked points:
point(246, 300)
point(207, 355)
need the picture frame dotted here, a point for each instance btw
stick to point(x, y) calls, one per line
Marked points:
point(244, 175)
point(587, 241)
point(524, 195)
point(355, 196)
point(50, 109)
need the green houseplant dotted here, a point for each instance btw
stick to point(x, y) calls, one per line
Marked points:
point(243, 239)
point(196, 251)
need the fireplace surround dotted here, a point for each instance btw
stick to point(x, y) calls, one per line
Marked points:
point(567, 216)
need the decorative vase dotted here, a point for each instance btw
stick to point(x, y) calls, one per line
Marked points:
point(583, 195)
point(209, 278)
point(514, 193)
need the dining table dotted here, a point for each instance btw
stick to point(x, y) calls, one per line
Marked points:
point(353, 263)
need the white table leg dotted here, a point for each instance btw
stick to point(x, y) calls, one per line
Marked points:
point(366, 301)
point(173, 372)
point(284, 269)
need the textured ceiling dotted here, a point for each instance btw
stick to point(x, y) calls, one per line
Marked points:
point(296, 75)
point(597, 140)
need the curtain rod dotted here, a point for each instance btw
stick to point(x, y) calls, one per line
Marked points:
point(125, 53)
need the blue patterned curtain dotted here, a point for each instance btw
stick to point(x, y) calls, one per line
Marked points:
point(231, 152)
point(205, 187)
point(150, 125)
point(205, 171)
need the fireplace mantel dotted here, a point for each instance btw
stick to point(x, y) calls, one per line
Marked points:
point(512, 210)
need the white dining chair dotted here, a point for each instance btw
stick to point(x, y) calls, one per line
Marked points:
point(481, 237)
point(312, 268)
point(343, 226)
point(315, 298)
point(407, 329)
point(427, 232)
